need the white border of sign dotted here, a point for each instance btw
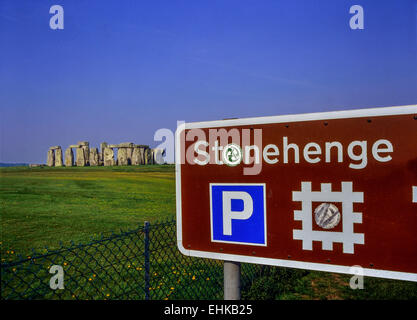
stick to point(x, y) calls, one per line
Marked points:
point(373, 112)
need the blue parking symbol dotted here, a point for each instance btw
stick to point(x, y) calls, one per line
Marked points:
point(238, 213)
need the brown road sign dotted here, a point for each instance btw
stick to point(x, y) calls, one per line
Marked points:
point(322, 191)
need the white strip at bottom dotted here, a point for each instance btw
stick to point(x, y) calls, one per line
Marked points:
point(299, 265)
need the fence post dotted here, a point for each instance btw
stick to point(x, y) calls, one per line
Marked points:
point(147, 264)
point(231, 280)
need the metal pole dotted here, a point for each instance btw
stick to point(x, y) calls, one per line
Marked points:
point(231, 280)
point(147, 264)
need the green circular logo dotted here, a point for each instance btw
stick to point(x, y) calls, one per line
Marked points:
point(232, 155)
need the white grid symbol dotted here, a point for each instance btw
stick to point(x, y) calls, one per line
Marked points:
point(347, 197)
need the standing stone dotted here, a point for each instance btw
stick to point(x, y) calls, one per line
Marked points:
point(148, 156)
point(69, 157)
point(153, 155)
point(108, 157)
point(85, 145)
point(145, 156)
point(94, 159)
point(122, 157)
point(129, 153)
point(142, 155)
point(142, 152)
point(51, 158)
point(80, 157)
point(158, 156)
point(58, 157)
point(136, 156)
point(102, 146)
point(87, 153)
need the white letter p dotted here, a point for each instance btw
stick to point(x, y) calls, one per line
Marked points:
point(229, 215)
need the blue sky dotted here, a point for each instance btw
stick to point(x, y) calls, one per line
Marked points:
point(120, 70)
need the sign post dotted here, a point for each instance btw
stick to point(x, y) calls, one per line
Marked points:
point(321, 191)
point(231, 280)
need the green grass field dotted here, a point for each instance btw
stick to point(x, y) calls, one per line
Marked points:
point(45, 206)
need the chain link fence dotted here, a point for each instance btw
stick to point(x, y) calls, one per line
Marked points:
point(139, 264)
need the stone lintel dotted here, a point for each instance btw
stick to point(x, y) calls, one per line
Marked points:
point(121, 145)
point(126, 145)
